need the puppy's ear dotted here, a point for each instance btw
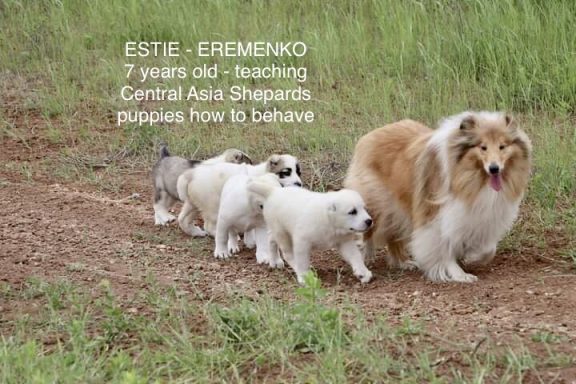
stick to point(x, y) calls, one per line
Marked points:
point(241, 157)
point(273, 162)
point(467, 124)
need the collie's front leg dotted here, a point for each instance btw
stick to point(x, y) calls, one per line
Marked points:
point(437, 257)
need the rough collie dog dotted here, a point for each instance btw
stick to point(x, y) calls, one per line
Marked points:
point(446, 196)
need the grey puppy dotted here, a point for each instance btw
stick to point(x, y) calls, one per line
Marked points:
point(165, 176)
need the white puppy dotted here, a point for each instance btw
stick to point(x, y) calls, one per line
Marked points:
point(241, 211)
point(200, 188)
point(299, 221)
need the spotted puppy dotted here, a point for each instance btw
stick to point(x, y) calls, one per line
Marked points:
point(200, 188)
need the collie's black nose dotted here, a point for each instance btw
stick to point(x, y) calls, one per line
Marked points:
point(493, 169)
point(298, 184)
point(368, 222)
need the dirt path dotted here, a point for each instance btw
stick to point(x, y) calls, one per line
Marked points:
point(56, 232)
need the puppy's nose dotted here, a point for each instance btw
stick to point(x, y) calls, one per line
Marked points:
point(493, 169)
point(298, 184)
point(368, 222)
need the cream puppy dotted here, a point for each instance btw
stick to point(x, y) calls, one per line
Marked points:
point(241, 211)
point(299, 221)
point(200, 188)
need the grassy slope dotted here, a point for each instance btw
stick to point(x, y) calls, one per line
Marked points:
point(369, 63)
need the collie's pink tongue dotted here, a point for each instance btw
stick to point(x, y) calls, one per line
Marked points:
point(496, 182)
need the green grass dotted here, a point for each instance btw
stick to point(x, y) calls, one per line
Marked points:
point(369, 63)
point(158, 336)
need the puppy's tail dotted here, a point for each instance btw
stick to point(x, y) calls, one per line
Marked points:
point(163, 151)
point(182, 185)
point(260, 189)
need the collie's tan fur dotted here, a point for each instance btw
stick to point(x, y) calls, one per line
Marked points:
point(382, 171)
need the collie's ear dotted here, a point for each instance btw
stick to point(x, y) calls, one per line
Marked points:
point(468, 123)
point(510, 122)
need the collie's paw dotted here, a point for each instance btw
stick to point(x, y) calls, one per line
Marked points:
point(450, 273)
point(479, 258)
point(408, 265)
point(464, 278)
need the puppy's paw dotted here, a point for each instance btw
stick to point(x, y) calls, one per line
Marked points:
point(265, 258)
point(300, 279)
point(364, 276)
point(197, 232)
point(221, 254)
point(279, 263)
point(262, 257)
point(163, 219)
point(233, 246)
point(170, 218)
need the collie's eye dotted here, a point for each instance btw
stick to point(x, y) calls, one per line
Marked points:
point(483, 147)
point(353, 212)
point(502, 146)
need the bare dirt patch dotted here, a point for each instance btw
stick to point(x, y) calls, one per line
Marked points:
point(56, 232)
